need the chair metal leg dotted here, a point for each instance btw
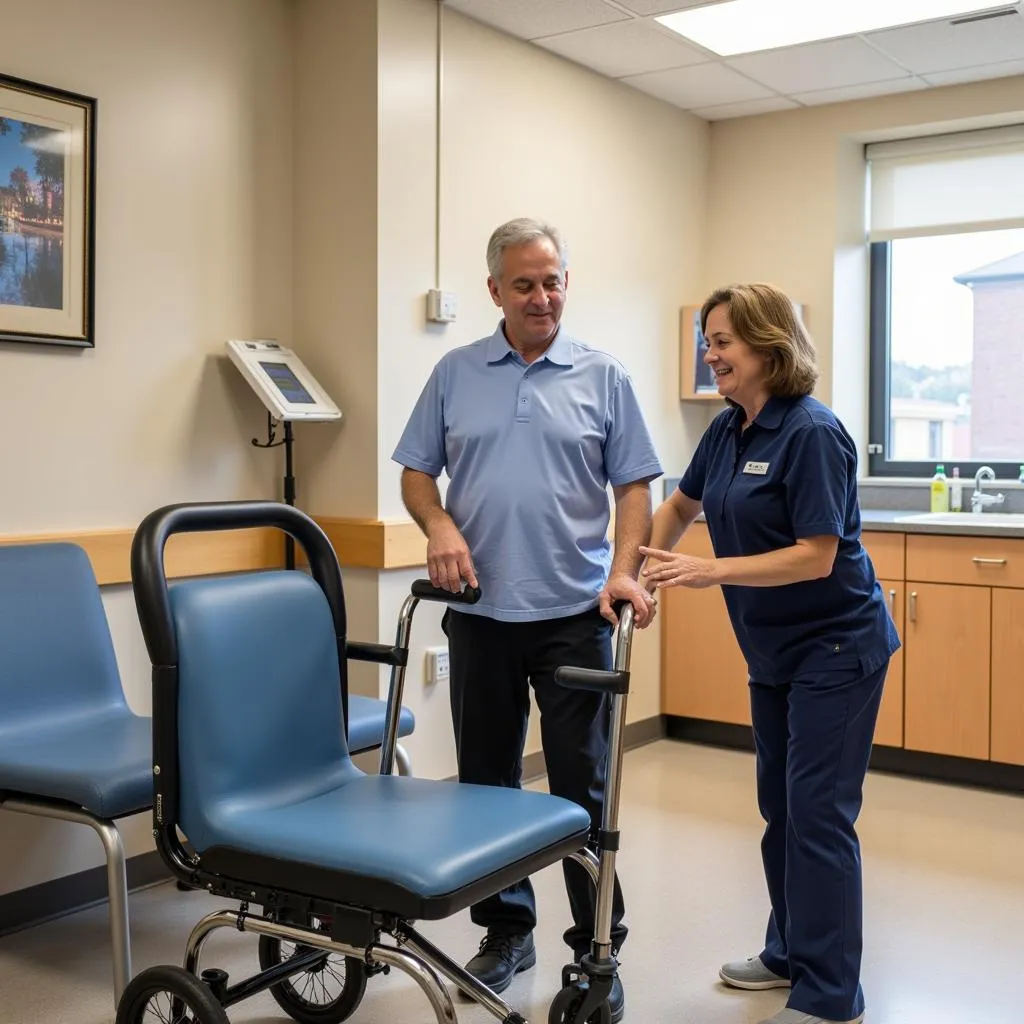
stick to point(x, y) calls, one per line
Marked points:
point(403, 761)
point(117, 877)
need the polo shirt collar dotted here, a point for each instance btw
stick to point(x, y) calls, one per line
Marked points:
point(769, 418)
point(559, 351)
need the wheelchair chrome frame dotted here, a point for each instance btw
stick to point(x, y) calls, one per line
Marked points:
point(419, 958)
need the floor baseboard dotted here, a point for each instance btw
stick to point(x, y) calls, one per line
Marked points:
point(961, 771)
point(49, 900)
point(636, 734)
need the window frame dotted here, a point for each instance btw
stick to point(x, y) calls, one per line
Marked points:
point(879, 379)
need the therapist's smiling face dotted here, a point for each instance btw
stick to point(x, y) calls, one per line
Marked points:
point(531, 294)
point(740, 372)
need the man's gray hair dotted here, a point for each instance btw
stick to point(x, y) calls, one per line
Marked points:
point(522, 231)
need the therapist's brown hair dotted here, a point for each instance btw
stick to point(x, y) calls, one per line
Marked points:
point(766, 319)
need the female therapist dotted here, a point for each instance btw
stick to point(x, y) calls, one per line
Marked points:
point(775, 475)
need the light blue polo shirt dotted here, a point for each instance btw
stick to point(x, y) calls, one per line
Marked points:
point(530, 449)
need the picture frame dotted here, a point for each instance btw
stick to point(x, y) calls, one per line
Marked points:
point(47, 215)
point(696, 381)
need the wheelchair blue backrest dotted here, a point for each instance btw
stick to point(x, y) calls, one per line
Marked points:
point(56, 656)
point(259, 696)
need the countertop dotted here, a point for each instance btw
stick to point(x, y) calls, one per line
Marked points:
point(889, 520)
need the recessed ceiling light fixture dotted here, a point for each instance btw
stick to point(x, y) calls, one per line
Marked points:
point(745, 26)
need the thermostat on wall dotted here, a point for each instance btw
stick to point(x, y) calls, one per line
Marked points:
point(284, 385)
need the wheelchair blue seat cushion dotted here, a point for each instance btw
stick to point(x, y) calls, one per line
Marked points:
point(412, 847)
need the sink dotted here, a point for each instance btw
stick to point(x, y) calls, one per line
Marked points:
point(996, 519)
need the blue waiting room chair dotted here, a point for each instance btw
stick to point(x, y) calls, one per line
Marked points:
point(70, 747)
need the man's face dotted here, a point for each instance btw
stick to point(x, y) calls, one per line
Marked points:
point(530, 292)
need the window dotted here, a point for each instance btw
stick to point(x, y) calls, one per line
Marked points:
point(947, 304)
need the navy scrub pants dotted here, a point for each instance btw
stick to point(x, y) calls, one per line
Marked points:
point(493, 666)
point(813, 740)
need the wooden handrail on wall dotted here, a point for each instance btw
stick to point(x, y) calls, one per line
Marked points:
point(359, 543)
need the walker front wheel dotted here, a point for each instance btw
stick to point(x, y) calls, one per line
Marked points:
point(567, 1006)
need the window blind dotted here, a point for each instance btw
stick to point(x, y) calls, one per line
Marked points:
point(969, 181)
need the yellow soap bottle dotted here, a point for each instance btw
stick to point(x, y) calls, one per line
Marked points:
point(940, 490)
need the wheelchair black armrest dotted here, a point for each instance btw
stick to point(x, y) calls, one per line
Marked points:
point(595, 679)
point(380, 654)
point(426, 591)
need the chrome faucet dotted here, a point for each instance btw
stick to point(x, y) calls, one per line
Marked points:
point(979, 499)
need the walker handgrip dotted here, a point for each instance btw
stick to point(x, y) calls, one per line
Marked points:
point(426, 591)
point(595, 679)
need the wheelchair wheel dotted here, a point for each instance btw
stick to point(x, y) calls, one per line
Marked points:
point(168, 995)
point(565, 1008)
point(326, 993)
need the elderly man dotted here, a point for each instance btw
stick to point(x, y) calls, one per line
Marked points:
point(531, 426)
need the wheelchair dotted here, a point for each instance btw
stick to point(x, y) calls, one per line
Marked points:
point(256, 798)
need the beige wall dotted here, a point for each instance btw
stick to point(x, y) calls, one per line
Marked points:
point(526, 133)
point(786, 204)
point(194, 186)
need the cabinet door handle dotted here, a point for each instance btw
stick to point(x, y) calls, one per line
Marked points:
point(989, 561)
point(913, 606)
point(892, 603)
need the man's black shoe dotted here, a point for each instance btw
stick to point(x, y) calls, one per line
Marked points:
point(501, 958)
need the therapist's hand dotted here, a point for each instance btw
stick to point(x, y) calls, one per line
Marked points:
point(622, 587)
point(448, 559)
point(675, 570)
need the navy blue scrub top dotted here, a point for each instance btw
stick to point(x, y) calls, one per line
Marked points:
point(792, 474)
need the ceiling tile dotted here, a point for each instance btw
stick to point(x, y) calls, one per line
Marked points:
point(1003, 69)
point(726, 110)
point(646, 7)
point(531, 19)
point(859, 92)
point(626, 48)
point(702, 85)
point(942, 46)
point(826, 65)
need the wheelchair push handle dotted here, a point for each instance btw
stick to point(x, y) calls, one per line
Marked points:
point(424, 590)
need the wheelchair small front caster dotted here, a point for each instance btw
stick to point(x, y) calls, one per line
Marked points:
point(568, 1007)
point(169, 994)
point(326, 993)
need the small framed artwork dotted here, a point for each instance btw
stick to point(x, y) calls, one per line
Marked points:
point(47, 214)
point(696, 381)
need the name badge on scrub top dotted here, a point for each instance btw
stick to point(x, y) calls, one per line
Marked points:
point(756, 468)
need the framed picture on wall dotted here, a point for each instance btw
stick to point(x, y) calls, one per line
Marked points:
point(696, 381)
point(47, 214)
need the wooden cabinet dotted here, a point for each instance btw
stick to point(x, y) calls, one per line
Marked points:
point(889, 730)
point(1007, 676)
point(946, 669)
point(955, 688)
point(704, 674)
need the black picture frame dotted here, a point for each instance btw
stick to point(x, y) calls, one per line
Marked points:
point(47, 215)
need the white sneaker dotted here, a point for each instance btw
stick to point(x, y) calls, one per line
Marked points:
point(751, 974)
point(788, 1016)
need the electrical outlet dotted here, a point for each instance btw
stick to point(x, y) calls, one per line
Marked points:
point(442, 307)
point(438, 667)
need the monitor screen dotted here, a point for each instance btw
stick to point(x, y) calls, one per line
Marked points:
point(287, 383)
